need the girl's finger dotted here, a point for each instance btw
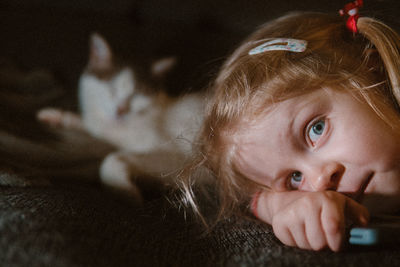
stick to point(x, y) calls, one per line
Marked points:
point(284, 235)
point(333, 223)
point(298, 232)
point(356, 212)
point(314, 232)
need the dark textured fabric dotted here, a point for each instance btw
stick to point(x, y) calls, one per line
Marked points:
point(79, 225)
point(83, 226)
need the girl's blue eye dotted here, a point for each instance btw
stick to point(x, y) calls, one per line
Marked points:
point(316, 130)
point(295, 180)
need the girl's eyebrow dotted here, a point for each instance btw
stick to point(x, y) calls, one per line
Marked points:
point(280, 175)
point(291, 143)
point(297, 124)
point(294, 136)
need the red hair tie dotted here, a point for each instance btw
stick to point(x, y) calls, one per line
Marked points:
point(351, 9)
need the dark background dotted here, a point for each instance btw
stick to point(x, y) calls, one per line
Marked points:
point(53, 34)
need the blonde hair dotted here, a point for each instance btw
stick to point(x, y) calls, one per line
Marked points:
point(366, 64)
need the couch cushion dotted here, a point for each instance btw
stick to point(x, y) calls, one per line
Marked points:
point(83, 225)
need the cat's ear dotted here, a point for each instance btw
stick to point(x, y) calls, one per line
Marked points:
point(162, 66)
point(100, 54)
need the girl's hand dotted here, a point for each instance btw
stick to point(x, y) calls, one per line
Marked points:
point(310, 220)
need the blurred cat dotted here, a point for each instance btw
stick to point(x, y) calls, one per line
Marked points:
point(152, 131)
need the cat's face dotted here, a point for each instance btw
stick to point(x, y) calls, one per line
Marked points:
point(111, 88)
point(121, 89)
point(116, 91)
point(114, 96)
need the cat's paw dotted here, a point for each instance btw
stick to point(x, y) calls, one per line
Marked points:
point(116, 173)
point(50, 116)
point(58, 118)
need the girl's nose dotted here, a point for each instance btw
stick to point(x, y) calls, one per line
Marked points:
point(326, 177)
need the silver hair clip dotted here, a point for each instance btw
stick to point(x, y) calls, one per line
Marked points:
point(285, 44)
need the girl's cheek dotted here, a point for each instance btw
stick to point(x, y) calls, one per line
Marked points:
point(279, 186)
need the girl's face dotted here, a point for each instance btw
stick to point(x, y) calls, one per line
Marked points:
point(326, 140)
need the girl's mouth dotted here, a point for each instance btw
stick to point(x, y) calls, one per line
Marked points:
point(360, 193)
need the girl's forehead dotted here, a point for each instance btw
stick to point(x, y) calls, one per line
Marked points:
point(285, 109)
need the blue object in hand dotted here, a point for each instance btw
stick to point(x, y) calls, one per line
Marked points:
point(382, 230)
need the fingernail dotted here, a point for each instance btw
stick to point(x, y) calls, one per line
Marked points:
point(364, 220)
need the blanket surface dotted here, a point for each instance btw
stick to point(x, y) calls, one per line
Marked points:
point(80, 225)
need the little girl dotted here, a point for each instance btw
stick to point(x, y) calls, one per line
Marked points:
point(304, 124)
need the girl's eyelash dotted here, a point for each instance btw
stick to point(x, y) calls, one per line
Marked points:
point(309, 126)
point(293, 180)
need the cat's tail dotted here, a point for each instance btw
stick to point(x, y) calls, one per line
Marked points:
point(59, 155)
point(30, 150)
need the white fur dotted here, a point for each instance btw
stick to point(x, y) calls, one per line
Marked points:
point(153, 133)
